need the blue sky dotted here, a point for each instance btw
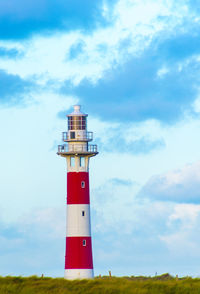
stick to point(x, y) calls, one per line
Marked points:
point(134, 66)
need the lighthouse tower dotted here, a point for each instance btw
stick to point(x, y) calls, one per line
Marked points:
point(77, 151)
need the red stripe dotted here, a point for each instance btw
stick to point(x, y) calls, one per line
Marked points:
point(77, 255)
point(76, 193)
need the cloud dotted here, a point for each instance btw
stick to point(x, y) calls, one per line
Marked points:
point(182, 44)
point(182, 238)
point(181, 185)
point(10, 53)
point(25, 247)
point(132, 236)
point(121, 182)
point(20, 18)
point(134, 91)
point(118, 143)
point(104, 48)
point(13, 88)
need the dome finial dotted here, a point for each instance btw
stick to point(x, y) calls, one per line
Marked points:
point(77, 108)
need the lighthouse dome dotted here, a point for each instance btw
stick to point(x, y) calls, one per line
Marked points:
point(77, 111)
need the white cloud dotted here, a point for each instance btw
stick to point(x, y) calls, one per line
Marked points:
point(181, 185)
point(50, 220)
point(116, 207)
point(45, 58)
point(162, 72)
point(134, 231)
point(187, 213)
point(34, 243)
point(182, 237)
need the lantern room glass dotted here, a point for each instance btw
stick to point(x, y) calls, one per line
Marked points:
point(76, 123)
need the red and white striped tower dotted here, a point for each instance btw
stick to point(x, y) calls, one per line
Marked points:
point(78, 258)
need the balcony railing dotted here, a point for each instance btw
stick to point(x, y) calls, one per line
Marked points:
point(77, 148)
point(87, 136)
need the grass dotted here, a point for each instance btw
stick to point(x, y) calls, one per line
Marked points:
point(104, 285)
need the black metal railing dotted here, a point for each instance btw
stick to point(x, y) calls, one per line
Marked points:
point(72, 136)
point(77, 148)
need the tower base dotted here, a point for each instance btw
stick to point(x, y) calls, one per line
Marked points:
point(73, 274)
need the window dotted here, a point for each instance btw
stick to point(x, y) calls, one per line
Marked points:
point(84, 242)
point(82, 184)
point(83, 123)
point(72, 135)
point(72, 161)
point(82, 161)
point(83, 213)
point(77, 122)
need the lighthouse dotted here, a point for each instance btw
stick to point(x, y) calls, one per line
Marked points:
point(77, 151)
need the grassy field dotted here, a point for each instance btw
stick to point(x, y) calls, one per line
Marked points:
point(105, 285)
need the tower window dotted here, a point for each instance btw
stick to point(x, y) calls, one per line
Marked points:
point(72, 135)
point(82, 161)
point(84, 242)
point(72, 161)
point(82, 184)
point(83, 213)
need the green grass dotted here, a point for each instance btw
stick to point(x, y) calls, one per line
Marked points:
point(104, 285)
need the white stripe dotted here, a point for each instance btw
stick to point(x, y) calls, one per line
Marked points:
point(72, 274)
point(78, 220)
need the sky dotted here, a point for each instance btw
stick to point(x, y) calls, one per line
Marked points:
point(134, 66)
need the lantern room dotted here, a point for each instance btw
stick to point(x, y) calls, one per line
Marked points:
point(77, 127)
